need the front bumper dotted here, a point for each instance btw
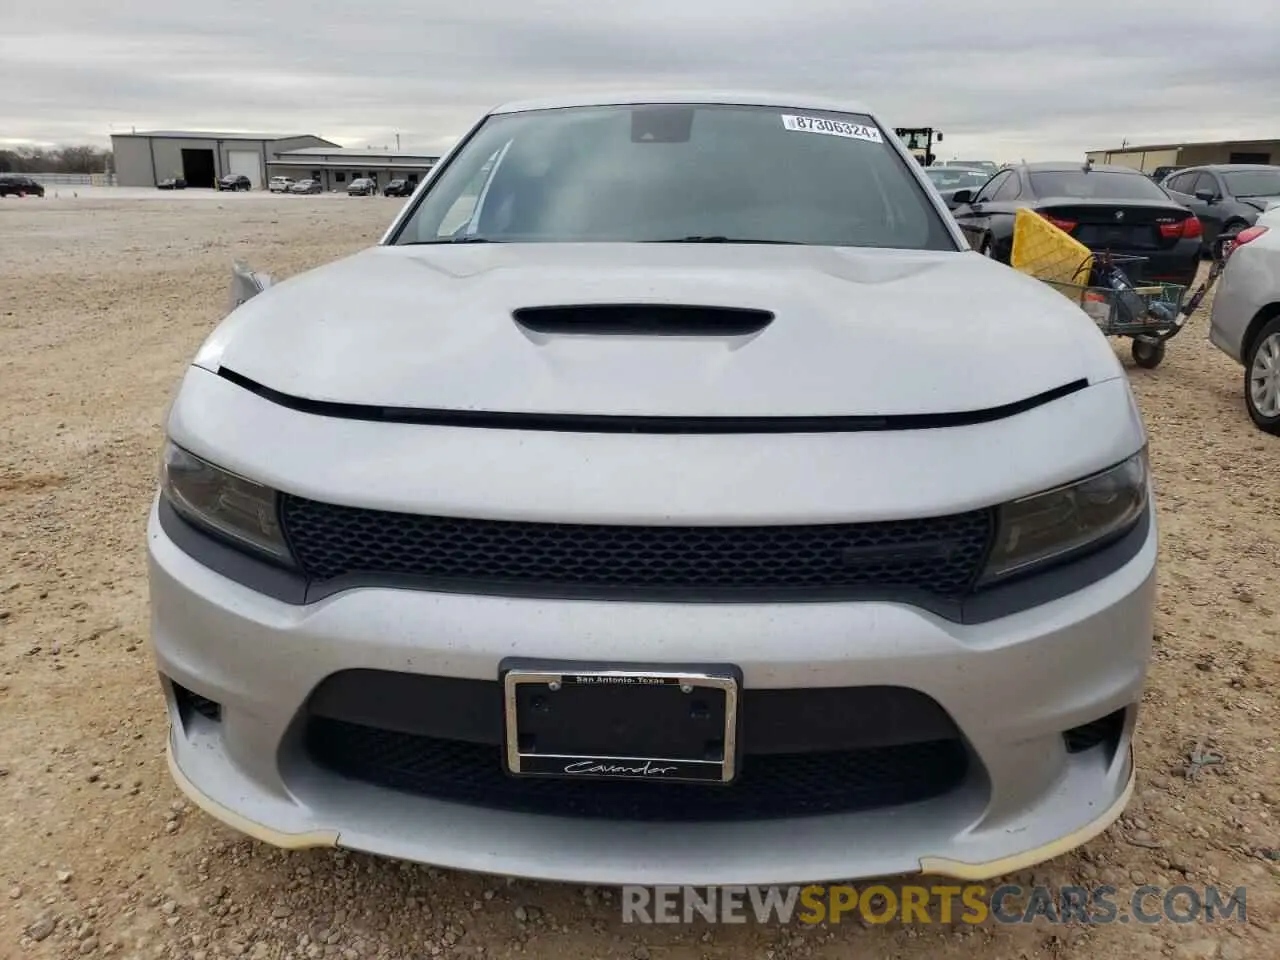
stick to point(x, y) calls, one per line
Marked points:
point(1012, 685)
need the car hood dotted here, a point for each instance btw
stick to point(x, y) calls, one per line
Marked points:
point(854, 332)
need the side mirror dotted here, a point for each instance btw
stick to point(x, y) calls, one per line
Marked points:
point(1208, 196)
point(961, 197)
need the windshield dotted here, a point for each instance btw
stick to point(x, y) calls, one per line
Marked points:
point(1254, 183)
point(710, 173)
point(949, 178)
point(1096, 185)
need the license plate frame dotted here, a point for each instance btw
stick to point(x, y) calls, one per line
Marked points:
point(667, 689)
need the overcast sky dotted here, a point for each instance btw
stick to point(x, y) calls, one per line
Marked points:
point(1033, 79)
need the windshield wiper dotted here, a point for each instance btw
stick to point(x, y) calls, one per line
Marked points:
point(718, 239)
point(463, 239)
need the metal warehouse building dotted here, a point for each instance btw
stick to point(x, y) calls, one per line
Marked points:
point(1148, 158)
point(335, 167)
point(144, 159)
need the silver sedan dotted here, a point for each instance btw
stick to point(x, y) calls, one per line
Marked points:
point(633, 514)
point(1245, 320)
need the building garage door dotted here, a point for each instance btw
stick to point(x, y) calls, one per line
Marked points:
point(197, 167)
point(248, 162)
point(1158, 158)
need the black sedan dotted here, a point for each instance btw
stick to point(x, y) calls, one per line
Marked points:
point(1106, 208)
point(235, 181)
point(399, 188)
point(1227, 197)
point(16, 185)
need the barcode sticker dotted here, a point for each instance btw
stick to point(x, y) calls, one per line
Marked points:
point(832, 128)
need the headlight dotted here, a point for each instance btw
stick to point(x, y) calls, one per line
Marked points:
point(222, 503)
point(1069, 519)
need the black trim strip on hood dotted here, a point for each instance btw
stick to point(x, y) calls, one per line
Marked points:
point(608, 423)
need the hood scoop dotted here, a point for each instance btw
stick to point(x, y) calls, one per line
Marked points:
point(643, 320)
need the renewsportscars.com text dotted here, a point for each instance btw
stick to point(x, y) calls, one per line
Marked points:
point(970, 903)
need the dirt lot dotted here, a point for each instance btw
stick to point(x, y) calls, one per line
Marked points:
point(102, 303)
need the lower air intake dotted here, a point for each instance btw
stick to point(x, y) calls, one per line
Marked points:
point(770, 786)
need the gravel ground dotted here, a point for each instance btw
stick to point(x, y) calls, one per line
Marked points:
point(102, 303)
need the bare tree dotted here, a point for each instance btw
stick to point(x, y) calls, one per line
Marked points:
point(73, 159)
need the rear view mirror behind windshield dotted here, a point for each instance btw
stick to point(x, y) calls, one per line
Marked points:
point(661, 124)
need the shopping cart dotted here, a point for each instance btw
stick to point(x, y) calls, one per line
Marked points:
point(1149, 313)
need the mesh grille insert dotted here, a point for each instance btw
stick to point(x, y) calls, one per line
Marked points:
point(940, 556)
point(769, 786)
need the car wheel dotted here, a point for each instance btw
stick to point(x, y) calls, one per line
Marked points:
point(1147, 353)
point(1262, 378)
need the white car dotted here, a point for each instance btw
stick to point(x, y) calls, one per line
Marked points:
point(280, 184)
point(1244, 322)
point(668, 497)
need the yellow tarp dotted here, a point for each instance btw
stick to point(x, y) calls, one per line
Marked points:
point(1047, 253)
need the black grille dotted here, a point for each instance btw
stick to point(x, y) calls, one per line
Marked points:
point(774, 720)
point(768, 786)
point(939, 556)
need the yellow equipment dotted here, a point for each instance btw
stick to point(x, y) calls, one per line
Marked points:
point(1043, 251)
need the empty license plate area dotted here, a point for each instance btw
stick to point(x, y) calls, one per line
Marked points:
point(653, 725)
point(1105, 236)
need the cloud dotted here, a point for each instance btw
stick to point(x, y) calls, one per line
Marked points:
point(1039, 79)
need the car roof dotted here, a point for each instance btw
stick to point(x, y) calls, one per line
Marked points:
point(794, 101)
point(1061, 166)
point(1232, 167)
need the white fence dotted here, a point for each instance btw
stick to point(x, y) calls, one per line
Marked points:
point(73, 179)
